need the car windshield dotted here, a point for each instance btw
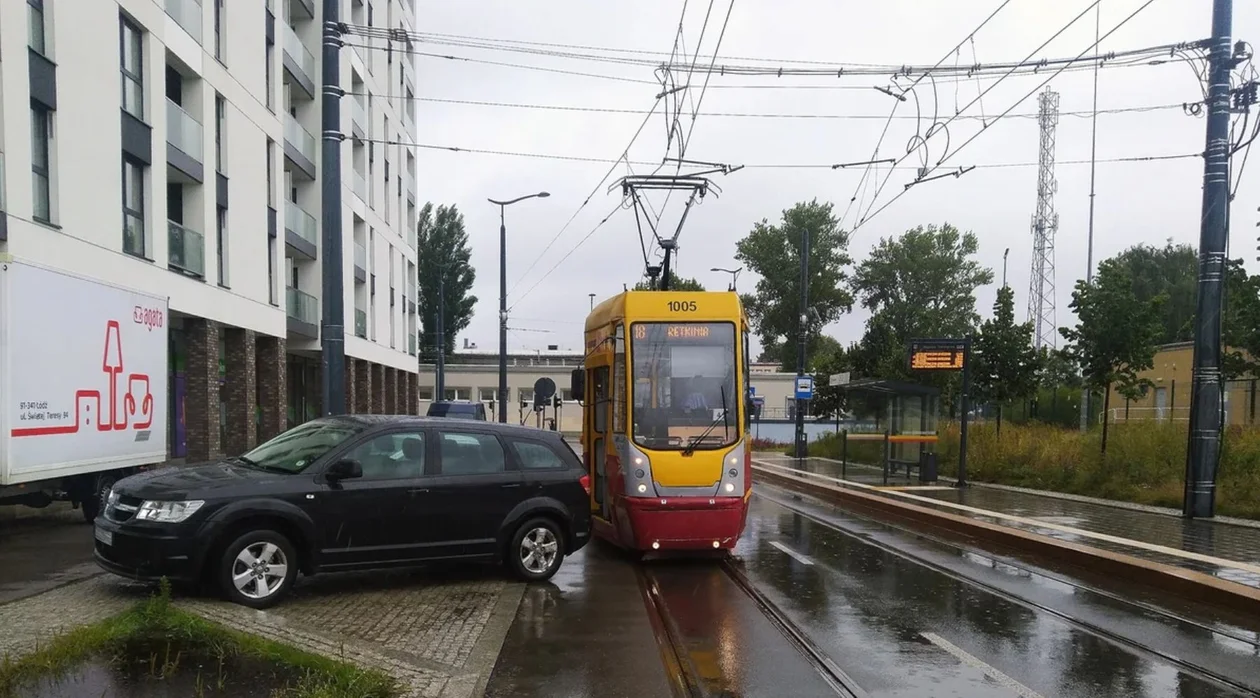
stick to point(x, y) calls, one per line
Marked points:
point(300, 446)
point(448, 409)
point(684, 385)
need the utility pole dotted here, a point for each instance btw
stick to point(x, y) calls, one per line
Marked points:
point(1045, 224)
point(333, 328)
point(439, 381)
point(1093, 155)
point(503, 389)
point(1005, 254)
point(801, 443)
point(1203, 454)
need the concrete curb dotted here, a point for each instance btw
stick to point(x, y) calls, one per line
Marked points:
point(1168, 578)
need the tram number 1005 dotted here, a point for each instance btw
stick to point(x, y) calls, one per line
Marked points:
point(682, 306)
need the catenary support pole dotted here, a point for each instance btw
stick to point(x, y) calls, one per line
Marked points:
point(1203, 453)
point(333, 325)
point(802, 444)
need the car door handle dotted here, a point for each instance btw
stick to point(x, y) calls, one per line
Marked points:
point(510, 484)
point(420, 490)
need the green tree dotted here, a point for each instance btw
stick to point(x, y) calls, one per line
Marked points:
point(676, 283)
point(1006, 364)
point(1171, 271)
point(445, 261)
point(1116, 332)
point(773, 252)
point(921, 284)
point(829, 358)
point(1241, 323)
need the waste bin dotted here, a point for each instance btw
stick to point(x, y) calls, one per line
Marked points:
point(927, 467)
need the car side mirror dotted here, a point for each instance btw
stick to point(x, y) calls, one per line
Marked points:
point(346, 469)
point(577, 383)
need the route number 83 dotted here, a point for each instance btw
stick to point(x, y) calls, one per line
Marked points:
point(682, 306)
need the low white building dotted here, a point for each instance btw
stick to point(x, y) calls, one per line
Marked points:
point(172, 147)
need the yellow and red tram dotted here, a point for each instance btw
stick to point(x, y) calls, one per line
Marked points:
point(665, 433)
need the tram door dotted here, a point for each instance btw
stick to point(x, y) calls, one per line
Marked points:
point(600, 436)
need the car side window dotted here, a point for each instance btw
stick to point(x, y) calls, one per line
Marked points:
point(391, 456)
point(536, 456)
point(471, 454)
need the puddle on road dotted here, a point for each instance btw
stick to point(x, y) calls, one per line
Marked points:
point(164, 671)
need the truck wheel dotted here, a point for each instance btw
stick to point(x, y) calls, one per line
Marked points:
point(258, 568)
point(96, 499)
point(536, 550)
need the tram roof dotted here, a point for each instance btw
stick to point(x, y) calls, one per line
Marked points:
point(648, 305)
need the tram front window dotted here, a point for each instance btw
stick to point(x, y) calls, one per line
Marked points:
point(684, 385)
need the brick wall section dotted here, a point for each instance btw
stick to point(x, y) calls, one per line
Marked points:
point(408, 397)
point(391, 391)
point(414, 403)
point(351, 385)
point(241, 384)
point(363, 386)
point(273, 398)
point(201, 402)
point(378, 389)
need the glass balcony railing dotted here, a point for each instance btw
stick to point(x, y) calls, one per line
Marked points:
point(187, 13)
point(293, 46)
point(301, 139)
point(2, 182)
point(301, 223)
point(302, 306)
point(360, 256)
point(411, 345)
point(358, 112)
point(360, 323)
point(186, 249)
point(360, 186)
point(183, 131)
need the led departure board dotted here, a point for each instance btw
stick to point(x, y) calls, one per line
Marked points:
point(674, 330)
point(938, 355)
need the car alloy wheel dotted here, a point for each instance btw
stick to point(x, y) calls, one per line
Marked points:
point(258, 568)
point(537, 549)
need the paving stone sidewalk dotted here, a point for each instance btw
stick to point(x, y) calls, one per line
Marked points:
point(439, 637)
point(1152, 525)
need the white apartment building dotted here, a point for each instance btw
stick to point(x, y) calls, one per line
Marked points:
point(173, 147)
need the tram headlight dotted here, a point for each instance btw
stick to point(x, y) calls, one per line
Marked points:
point(729, 487)
point(642, 488)
point(638, 460)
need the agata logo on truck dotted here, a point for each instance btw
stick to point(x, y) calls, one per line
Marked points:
point(149, 317)
point(88, 408)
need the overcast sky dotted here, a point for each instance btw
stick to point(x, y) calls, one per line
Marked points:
point(1136, 202)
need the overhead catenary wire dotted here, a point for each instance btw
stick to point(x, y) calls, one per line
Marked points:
point(948, 155)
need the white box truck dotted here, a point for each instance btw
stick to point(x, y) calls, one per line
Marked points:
point(83, 385)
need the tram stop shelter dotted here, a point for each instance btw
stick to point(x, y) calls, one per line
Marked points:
point(903, 416)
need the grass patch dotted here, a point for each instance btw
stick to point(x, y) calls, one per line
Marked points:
point(156, 632)
point(1145, 461)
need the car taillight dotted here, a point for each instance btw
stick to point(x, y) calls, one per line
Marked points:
point(585, 481)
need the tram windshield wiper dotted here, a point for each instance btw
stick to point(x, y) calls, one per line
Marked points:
point(695, 441)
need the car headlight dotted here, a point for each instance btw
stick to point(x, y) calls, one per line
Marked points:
point(168, 512)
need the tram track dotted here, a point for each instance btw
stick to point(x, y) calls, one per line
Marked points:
point(687, 679)
point(1083, 625)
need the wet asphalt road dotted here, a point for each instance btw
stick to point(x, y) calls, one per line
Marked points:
point(902, 615)
point(44, 552)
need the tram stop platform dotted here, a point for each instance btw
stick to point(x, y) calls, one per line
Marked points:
point(1225, 548)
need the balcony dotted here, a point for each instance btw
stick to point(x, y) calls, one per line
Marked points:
point(411, 345)
point(298, 61)
point(360, 186)
point(360, 323)
point(187, 250)
point(359, 117)
point(299, 145)
point(184, 141)
point(187, 14)
point(301, 231)
point(360, 262)
point(409, 183)
point(303, 312)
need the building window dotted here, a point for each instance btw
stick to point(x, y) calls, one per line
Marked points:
point(271, 165)
point(221, 244)
point(457, 394)
point(220, 133)
point(487, 394)
point(41, 165)
point(35, 26)
point(424, 393)
point(133, 208)
point(271, 86)
point(220, 21)
point(271, 272)
point(527, 396)
point(132, 67)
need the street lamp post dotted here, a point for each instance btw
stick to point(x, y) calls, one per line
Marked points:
point(734, 275)
point(503, 299)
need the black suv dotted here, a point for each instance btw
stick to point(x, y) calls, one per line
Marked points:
point(352, 492)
